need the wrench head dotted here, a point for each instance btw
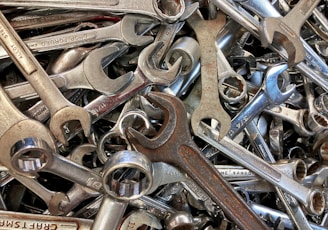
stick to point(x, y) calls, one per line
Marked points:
point(66, 114)
point(149, 68)
point(175, 119)
point(271, 86)
point(95, 75)
point(274, 29)
point(129, 32)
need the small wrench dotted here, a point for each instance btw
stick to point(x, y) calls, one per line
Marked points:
point(173, 144)
point(89, 74)
point(169, 11)
point(287, 30)
point(268, 95)
point(124, 31)
point(210, 106)
point(61, 110)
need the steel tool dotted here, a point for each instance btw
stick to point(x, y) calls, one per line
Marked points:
point(209, 107)
point(174, 145)
point(61, 110)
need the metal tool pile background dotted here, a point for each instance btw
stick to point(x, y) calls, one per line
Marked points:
point(147, 114)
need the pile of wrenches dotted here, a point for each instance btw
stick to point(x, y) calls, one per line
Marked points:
point(149, 114)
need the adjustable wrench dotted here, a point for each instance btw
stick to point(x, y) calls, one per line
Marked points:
point(89, 74)
point(61, 110)
point(210, 106)
point(173, 144)
point(268, 95)
point(124, 31)
point(168, 11)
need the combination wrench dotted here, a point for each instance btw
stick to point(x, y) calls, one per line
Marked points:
point(61, 110)
point(173, 144)
point(123, 31)
point(174, 10)
point(89, 74)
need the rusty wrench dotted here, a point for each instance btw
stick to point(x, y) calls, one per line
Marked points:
point(174, 145)
point(210, 106)
point(61, 110)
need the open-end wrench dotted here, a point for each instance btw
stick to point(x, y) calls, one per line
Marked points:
point(124, 31)
point(287, 30)
point(89, 74)
point(173, 144)
point(147, 73)
point(61, 110)
point(210, 106)
point(169, 11)
point(269, 94)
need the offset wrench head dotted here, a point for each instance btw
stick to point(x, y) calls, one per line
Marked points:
point(148, 66)
point(128, 29)
point(275, 29)
point(271, 86)
point(66, 114)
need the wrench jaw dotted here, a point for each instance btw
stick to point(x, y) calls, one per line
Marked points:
point(92, 67)
point(273, 29)
point(272, 88)
point(129, 33)
point(69, 113)
point(148, 66)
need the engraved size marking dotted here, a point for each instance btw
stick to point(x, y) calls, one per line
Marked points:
point(13, 47)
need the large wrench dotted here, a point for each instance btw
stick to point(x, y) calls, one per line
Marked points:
point(169, 11)
point(173, 144)
point(269, 94)
point(89, 74)
point(61, 110)
point(210, 106)
point(124, 31)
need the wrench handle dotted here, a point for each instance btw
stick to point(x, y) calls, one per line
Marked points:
point(216, 187)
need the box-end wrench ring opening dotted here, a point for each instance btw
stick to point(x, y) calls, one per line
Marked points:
point(127, 175)
point(30, 155)
point(316, 203)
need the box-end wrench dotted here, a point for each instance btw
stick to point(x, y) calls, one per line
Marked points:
point(269, 95)
point(163, 10)
point(89, 74)
point(124, 31)
point(174, 145)
point(210, 106)
point(61, 110)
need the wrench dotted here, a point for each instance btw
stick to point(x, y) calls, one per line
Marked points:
point(124, 31)
point(240, 15)
point(162, 10)
point(210, 106)
point(312, 199)
point(268, 95)
point(173, 145)
point(89, 74)
point(287, 29)
point(12, 220)
point(61, 110)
